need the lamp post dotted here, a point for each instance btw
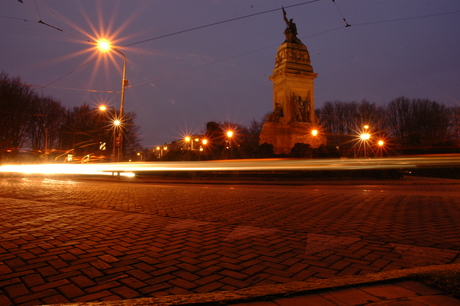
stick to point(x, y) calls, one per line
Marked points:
point(188, 139)
point(115, 124)
point(105, 46)
point(365, 137)
point(381, 143)
point(116, 139)
point(229, 138)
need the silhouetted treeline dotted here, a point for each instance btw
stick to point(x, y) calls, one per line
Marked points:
point(408, 125)
point(34, 123)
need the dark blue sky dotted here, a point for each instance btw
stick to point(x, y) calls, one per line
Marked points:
point(220, 72)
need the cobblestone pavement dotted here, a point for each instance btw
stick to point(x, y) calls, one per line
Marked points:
point(75, 241)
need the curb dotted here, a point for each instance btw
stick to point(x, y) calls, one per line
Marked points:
point(268, 292)
point(406, 180)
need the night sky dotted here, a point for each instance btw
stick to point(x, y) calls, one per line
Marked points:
point(194, 61)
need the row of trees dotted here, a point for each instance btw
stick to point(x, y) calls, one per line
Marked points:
point(408, 123)
point(44, 127)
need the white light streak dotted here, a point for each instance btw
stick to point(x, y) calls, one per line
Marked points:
point(128, 169)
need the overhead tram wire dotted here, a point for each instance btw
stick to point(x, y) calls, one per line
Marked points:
point(38, 12)
point(44, 23)
point(219, 22)
point(406, 18)
point(343, 17)
point(92, 60)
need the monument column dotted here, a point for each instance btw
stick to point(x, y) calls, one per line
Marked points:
point(293, 117)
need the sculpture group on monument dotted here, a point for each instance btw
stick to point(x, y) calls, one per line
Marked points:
point(293, 118)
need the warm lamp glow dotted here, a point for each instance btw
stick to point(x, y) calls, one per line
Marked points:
point(104, 45)
point(187, 139)
point(116, 122)
point(103, 108)
point(229, 134)
point(314, 132)
point(366, 127)
point(204, 141)
point(381, 142)
point(365, 136)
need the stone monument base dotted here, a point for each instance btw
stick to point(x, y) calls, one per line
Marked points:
point(284, 136)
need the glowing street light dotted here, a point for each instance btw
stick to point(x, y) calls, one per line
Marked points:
point(188, 139)
point(365, 136)
point(380, 143)
point(314, 132)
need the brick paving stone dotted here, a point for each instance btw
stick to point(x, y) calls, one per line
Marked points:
point(16, 290)
point(178, 291)
point(94, 237)
point(55, 299)
point(132, 282)
point(234, 282)
point(233, 274)
point(35, 296)
point(100, 264)
point(151, 289)
point(10, 281)
point(4, 269)
point(4, 301)
point(14, 263)
point(160, 279)
point(93, 297)
point(46, 286)
point(139, 274)
point(82, 281)
point(70, 291)
point(33, 280)
point(125, 292)
point(91, 272)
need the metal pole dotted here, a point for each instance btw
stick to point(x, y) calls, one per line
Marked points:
point(124, 82)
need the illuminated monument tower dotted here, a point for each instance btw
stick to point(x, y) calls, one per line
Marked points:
point(293, 118)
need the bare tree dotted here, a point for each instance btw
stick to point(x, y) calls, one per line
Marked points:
point(16, 113)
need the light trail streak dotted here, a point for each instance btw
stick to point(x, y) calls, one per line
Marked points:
point(129, 168)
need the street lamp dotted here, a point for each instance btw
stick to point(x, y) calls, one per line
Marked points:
point(229, 139)
point(116, 139)
point(188, 139)
point(105, 46)
point(204, 142)
point(365, 137)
